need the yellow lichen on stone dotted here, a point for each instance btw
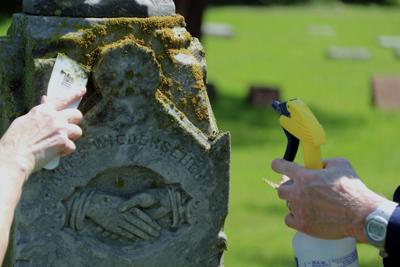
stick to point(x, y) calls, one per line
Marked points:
point(183, 102)
point(166, 86)
point(85, 38)
point(172, 53)
point(170, 40)
point(167, 82)
point(198, 75)
point(148, 25)
point(93, 55)
point(200, 108)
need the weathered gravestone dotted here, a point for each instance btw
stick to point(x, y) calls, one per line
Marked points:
point(386, 92)
point(148, 185)
point(263, 96)
point(389, 41)
point(348, 53)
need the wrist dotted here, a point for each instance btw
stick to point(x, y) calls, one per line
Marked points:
point(366, 207)
point(14, 162)
point(376, 224)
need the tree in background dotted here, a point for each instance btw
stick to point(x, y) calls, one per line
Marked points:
point(10, 6)
point(193, 11)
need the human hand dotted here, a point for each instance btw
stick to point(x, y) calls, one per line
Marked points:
point(155, 201)
point(133, 224)
point(46, 131)
point(332, 203)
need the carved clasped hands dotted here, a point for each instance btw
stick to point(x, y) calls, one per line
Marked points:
point(140, 218)
point(133, 224)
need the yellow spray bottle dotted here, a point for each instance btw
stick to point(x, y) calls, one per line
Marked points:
point(300, 125)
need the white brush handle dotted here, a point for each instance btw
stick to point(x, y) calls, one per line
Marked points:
point(53, 164)
point(67, 77)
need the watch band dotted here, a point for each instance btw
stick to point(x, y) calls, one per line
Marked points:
point(376, 223)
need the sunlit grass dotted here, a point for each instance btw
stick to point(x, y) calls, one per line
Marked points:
point(273, 46)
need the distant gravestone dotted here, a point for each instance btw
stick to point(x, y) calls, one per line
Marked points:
point(321, 30)
point(348, 53)
point(389, 41)
point(263, 96)
point(386, 92)
point(148, 185)
point(218, 30)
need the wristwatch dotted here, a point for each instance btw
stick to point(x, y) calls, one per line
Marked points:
point(376, 223)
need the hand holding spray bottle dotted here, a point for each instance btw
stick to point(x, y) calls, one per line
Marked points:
point(300, 125)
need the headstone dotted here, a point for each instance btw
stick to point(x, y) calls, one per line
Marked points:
point(218, 30)
point(389, 41)
point(148, 185)
point(99, 8)
point(348, 53)
point(263, 96)
point(386, 92)
point(321, 30)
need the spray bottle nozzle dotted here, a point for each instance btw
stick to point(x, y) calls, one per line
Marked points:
point(281, 108)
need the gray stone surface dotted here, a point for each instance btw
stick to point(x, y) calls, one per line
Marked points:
point(100, 8)
point(148, 185)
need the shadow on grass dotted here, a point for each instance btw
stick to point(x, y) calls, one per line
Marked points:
point(262, 258)
point(251, 125)
point(274, 208)
point(4, 17)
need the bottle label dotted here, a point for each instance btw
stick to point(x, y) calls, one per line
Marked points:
point(349, 260)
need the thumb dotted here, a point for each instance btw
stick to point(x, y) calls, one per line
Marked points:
point(143, 200)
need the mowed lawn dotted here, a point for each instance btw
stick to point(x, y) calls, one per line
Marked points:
point(273, 46)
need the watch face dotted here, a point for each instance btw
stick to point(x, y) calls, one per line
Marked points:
point(376, 229)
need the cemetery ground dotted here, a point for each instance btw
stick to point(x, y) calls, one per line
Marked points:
point(274, 46)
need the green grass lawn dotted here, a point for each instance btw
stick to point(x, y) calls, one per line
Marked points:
point(273, 46)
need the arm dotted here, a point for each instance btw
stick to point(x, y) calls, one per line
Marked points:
point(28, 145)
point(12, 178)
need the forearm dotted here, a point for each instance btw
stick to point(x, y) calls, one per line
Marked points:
point(12, 179)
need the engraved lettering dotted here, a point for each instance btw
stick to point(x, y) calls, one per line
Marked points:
point(121, 139)
point(177, 154)
point(103, 141)
point(143, 141)
point(165, 147)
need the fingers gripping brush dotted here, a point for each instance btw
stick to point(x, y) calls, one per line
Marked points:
point(301, 126)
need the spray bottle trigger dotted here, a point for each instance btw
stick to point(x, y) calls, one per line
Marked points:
point(292, 146)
